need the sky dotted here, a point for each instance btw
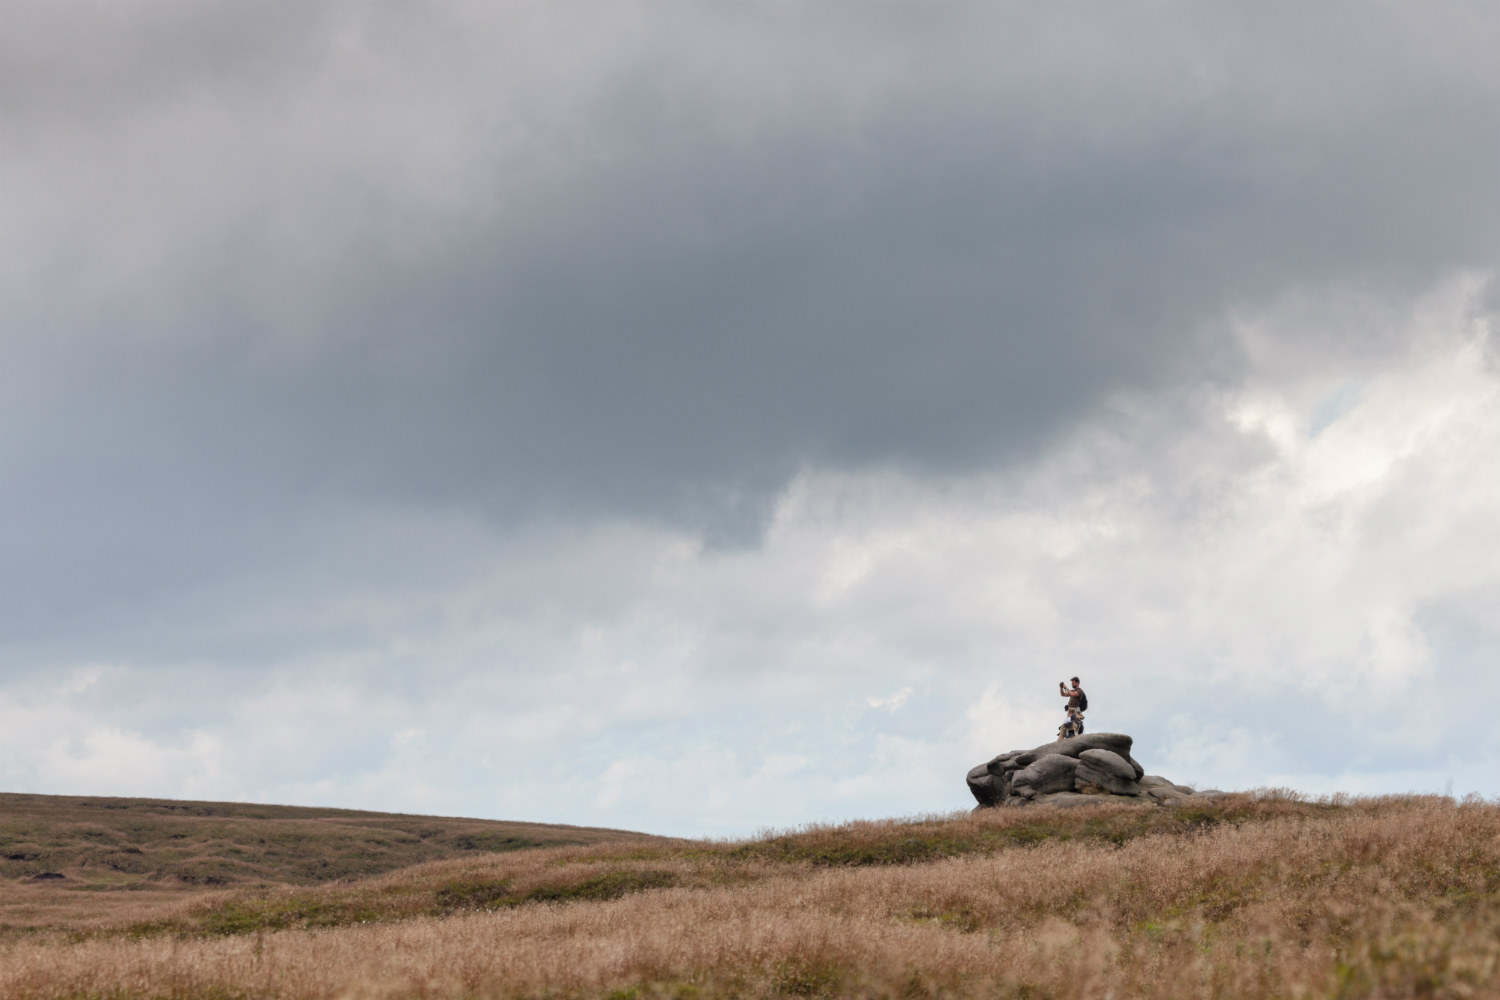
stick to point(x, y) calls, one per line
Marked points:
point(708, 418)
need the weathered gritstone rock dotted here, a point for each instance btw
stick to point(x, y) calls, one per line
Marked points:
point(1084, 770)
point(1117, 742)
point(1104, 772)
point(1052, 772)
point(1110, 763)
point(987, 788)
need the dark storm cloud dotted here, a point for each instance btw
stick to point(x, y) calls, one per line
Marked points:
point(275, 266)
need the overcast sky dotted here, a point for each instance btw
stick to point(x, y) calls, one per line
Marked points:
point(699, 418)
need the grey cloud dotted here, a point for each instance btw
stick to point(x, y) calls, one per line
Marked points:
point(411, 263)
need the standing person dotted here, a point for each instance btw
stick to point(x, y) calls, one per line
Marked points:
point(1078, 703)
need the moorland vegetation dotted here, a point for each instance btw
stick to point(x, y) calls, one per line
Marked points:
point(76, 861)
point(1247, 896)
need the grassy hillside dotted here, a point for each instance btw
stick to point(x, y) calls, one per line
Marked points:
point(1248, 896)
point(78, 861)
point(119, 843)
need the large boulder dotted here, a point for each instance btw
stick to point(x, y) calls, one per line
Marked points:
point(988, 789)
point(1105, 772)
point(1092, 768)
point(1116, 742)
point(1050, 773)
point(1005, 763)
point(1109, 762)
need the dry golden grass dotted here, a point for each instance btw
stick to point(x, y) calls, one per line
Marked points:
point(1248, 897)
point(147, 855)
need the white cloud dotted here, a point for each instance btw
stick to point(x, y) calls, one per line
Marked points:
point(891, 703)
point(53, 737)
point(1262, 586)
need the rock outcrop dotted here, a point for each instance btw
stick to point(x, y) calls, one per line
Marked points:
point(1087, 769)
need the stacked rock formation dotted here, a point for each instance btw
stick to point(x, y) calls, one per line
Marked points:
point(1074, 771)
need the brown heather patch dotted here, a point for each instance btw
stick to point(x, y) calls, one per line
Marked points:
point(128, 860)
point(1252, 896)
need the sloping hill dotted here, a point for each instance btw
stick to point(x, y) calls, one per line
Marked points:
point(97, 843)
point(1243, 896)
